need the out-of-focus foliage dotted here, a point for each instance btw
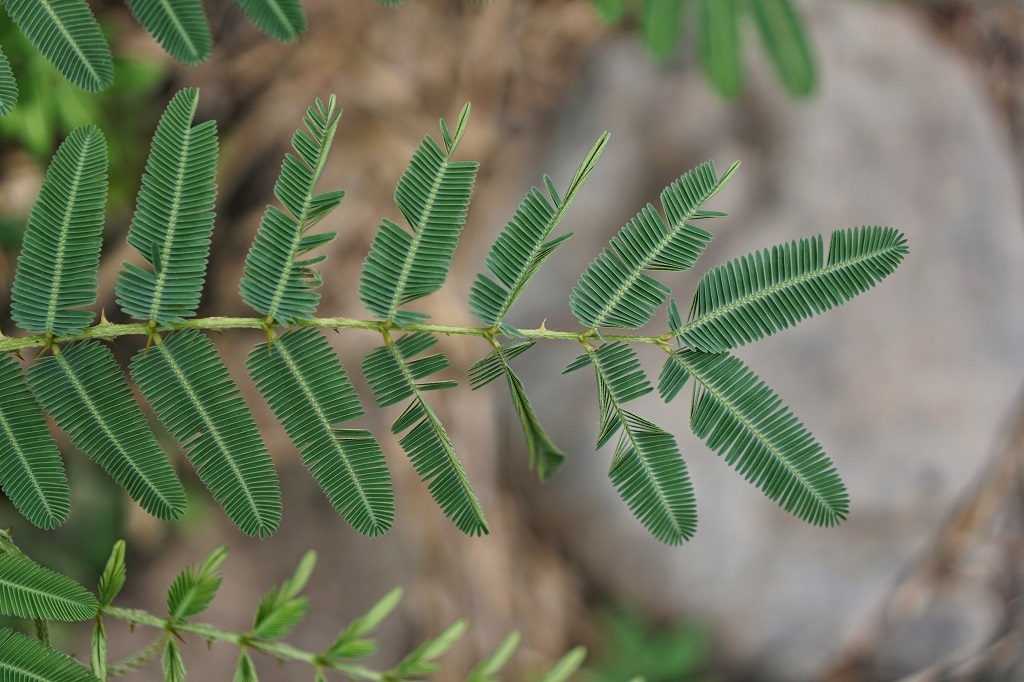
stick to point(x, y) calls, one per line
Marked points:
point(632, 646)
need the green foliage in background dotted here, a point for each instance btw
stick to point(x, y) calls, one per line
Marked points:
point(76, 380)
point(631, 646)
point(31, 592)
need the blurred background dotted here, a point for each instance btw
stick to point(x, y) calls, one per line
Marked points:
point(916, 121)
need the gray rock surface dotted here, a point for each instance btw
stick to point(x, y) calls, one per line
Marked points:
point(905, 387)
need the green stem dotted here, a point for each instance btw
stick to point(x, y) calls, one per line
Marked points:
point(108, 331)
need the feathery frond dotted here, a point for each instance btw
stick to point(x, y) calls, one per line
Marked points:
point(113, 576)
point(28, 590)
point(745, 421)
point(274, 283)
point(767, 291)
point(8, 86)
point(433, 194)
point(188, 385)
point(179, 26)
point(174, 218)
point(67, 34)
point(787, 45)
point(60, 255)
point(349, 643)
point(83, 388)
point(721, 51)
point(421, 661)
point(566, 667)
point(280, 19)
point(23, 659)
point(195, 587)
point(521, 249)
point(31, 470)
point(487, 670)
point(545, 456)
point(305, 384)
point(614, 291)
point(171, 662)
point(394, 376)
point(281, 608)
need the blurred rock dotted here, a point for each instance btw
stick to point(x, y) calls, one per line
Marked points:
point(905, 387)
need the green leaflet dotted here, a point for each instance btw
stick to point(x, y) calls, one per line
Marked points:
point(274, 283)
point(31, 470)
point(60, 255)
point(195, 586)
point(420, 662)
point(26, 660)
point(174, 218)
point(8, 86)
point(179, 26)
point(280, 19)
point(66, 33)
point(565, 668)
point(281, 608)
point(245, 669)
point(113, 576)
point(745, 421)
point(614, 291)
point(786, 42)
point(350, 642)
point(28, 590)
point(487, 670)
point(720, 47)
point(98, 651)
point(545, 456)
point(302, 379)
point(83, 388)
point(647, 468)
point(171, 662)
point(661, 23)
point(433, 194)
point(521, 249)
point(767, 291)
point(393, 377)
point(189, 387)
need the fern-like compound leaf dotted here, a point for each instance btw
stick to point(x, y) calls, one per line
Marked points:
point(651, 476)
point(60, 255)
point(8, 86)
point(31, 470)
point(83, 388)
point(179, 26)
point(281, 608)
point(113, 576)
point(421, 661)
point(433, 194)
point(171, 662)
point(174, 218)
point(28, 590)
point(721, 51)
point(195, 587)
point(350, 643)
point(489, 668)
point(67, 34)
point(786, 41)
point(23, 659)
point(305, 384)
point(614, 291)
point(770, 290)
point(188, 385)
point(745, 421)
point(394, 376)
point(522, 247)
point(280, 19)
point(274, 282)
point(544, 455)
point(566, 666)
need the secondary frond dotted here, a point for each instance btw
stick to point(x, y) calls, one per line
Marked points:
point(67, 34)
point(188, 385)
point(60, 254)
point(280, 19)
point(744, 420)
point(174, 218)
point(31, 470)
point(195, 586)
point(786, 42)
point(23, 659)
point(8, 86)
point(83, 388)
point(545, 456)
point(433, 194)
point(521, 249)
point(305, 384)
point(767, 291)
point(614, 291)
point(180, 26)
point(394, 376)
point(274, 283)
point(28, 590)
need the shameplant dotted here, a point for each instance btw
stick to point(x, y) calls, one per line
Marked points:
point(33, 592)
point(75, 378)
